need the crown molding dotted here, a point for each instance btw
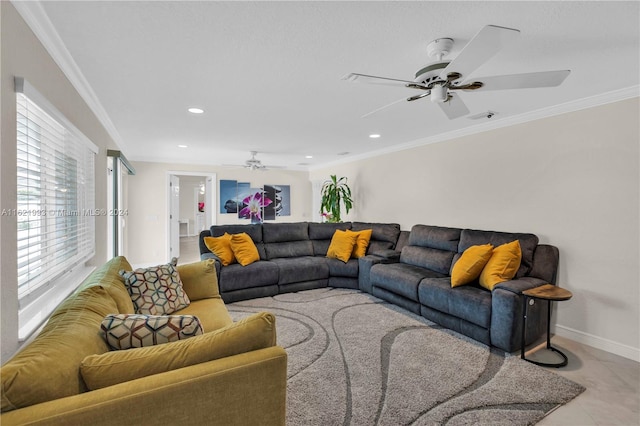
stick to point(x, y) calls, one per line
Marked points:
point(567, 107)
point(37, 19)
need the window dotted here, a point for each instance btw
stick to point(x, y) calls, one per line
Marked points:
point(55, 206)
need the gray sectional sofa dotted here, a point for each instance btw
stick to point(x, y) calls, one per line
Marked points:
point(292, 257)
point(408, 269)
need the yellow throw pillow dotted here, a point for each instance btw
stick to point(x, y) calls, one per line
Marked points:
point(470, 264)
point(244, 249)
point(502, 266)
point(257, 331)
point(342, 244)
point(362, 242)
point(199, 280)
point(221, 247)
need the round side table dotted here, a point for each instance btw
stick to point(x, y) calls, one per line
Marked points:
point(550, 293)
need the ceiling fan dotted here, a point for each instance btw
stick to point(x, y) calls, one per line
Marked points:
point(441, 81)
point(254, 164)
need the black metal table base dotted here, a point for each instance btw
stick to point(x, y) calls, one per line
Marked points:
point(564, 361)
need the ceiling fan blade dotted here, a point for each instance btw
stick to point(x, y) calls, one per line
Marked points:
point(489, 41)
point(454, 107)
point(524, 81)
point(372, 79)
point(383, 107)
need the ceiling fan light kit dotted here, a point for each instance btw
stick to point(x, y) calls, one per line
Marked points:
point(438, 80)
point(439, 93)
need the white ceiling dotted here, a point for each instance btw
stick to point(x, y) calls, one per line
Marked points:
point(268, 74)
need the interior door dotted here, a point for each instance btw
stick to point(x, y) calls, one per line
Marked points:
point(174, 216)
point(209, 204)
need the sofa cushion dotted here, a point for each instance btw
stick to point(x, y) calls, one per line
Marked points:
point(126, 331)
point(502, 265)
point(362, 243)
point(401, 278)
point(52, 359)
point(244, 249)
point(289, 249)
point(381, 232)
point(376, 247)
point(325, 231)
point(199, 280)
point(426, 257)
point(221, 247)
point(342, 245)
point(258, 274)
point(253, 230)
point(435, 237)
point(320, 247)
point(283, 232)
point(156, 290)
point(470, 264)
point(299, 269)
point(249, 334)
point(338, 268)
point(108, 278)
point(528, 243)
point(469, 302)
point(212, 313)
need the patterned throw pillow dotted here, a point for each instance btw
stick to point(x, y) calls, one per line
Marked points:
point(126, 331)
point(156, 290)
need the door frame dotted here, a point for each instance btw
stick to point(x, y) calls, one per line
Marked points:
point(214, 189)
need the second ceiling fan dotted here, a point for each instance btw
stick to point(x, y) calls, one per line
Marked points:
point(441, 80)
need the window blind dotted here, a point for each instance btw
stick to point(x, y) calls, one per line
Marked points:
point(55, 196)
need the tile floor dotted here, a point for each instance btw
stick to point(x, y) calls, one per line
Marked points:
point(613, 382)
point(613, 387)
point(189, 250)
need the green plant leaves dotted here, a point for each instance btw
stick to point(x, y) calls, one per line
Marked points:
point(334, 193)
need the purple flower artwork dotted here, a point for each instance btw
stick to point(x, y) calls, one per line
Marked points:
point(254, 205)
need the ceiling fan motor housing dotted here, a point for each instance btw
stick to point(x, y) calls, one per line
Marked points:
point(430, 73)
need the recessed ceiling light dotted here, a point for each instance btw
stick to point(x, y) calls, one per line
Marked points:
point(195, 110)
point(308, 156)
point(374, 136)
point(182, 146)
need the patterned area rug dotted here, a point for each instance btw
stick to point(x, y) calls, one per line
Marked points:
point(357, 360)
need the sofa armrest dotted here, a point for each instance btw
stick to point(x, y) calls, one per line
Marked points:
point(387, 254)
point(249, 388)
point(209, 255)
point(365, 264)
point(521, 284)
point(506, 314)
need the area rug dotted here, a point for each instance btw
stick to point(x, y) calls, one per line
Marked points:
point(357, 360)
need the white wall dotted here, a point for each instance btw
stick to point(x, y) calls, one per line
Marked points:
point(572, 179)
point(147, 224)
point(24, 56)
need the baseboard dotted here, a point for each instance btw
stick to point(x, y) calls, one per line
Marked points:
point(599, 342)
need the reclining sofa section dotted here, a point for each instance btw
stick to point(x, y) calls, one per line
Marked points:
point(411, 270)
point(293, 257)
point(421, 283)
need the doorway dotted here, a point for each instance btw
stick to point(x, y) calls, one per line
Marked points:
point(191, 209)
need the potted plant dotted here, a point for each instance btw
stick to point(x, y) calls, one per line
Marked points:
point(334, 192)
